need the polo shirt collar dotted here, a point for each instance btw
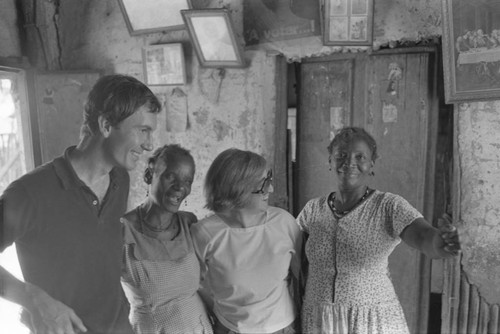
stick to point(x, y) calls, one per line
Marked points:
point(68, 177)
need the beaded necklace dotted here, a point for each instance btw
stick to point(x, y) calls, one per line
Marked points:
point(338, 213)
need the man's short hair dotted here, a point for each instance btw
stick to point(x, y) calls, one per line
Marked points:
point(116, 97)
point(231, 178)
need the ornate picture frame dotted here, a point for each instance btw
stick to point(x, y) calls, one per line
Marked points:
point(471, 50)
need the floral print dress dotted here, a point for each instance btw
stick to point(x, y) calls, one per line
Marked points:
point(348, 288)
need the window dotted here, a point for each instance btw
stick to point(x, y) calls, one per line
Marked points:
point(16, 158)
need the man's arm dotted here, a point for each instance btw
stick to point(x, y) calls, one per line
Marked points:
point(47, 314)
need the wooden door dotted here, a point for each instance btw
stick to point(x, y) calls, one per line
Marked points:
point(390, 95)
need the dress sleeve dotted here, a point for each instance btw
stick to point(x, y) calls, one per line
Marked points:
point(400, 214)
point(305, 217)
point(17, 216)
point(190, 218)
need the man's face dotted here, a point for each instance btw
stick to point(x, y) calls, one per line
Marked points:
point(130, 138)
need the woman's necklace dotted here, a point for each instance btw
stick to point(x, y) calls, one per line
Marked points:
point(171, 226)
point(331, 202)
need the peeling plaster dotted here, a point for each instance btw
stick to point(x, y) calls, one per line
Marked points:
point(221, 129)
point(479, 161)
point(244, 119)
point(201, 116)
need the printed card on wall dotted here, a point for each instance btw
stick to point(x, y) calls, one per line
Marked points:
point(177, 111)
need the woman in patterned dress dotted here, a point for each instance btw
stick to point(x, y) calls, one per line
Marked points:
point(161, 273)
point(247, 249)
point(352, 232)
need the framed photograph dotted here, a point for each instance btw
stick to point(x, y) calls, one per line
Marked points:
point(146, 16)
point(164, 64)
point(471, 50)
point(212, 34)
point(347, 22)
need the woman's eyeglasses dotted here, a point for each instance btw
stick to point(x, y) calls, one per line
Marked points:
point(266, 184)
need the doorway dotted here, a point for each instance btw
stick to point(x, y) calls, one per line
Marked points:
point(393, 95)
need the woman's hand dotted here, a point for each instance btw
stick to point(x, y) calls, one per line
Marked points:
point(446, 243)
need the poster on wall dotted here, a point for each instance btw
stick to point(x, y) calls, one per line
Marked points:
point(267, 21)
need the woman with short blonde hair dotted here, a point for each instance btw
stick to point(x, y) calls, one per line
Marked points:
point(246, 248)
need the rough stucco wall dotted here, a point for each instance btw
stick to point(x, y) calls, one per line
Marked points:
point(9, 33)
point(394, 20)
point(94, 36)
point(479, 166)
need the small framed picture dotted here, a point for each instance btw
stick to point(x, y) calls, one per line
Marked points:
point(212, 34)
point(147, 16)
point(347, 22)
point(164, 64)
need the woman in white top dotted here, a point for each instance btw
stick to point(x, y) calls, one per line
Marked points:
point(247, 249)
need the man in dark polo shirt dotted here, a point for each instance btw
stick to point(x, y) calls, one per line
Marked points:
point(64, 217)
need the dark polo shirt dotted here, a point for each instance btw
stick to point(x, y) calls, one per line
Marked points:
point(68, 243)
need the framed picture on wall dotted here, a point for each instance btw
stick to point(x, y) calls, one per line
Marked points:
point(212, 34)
point(164, 64)
point(347, 22)
point(147, 16)
point(471, 50)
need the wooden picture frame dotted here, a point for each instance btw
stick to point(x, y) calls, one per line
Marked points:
point(147, 16)
point(164, 64)
point(347, 22)
point(212, 34)
point(471, 50)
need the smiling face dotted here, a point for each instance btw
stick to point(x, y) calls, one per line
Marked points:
point(172, 182)
point(125, 142)
point(353, 163)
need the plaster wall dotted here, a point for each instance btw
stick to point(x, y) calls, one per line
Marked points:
point(9, 32)
point(479, 167)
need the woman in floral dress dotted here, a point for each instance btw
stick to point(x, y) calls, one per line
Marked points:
point(352, 232)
